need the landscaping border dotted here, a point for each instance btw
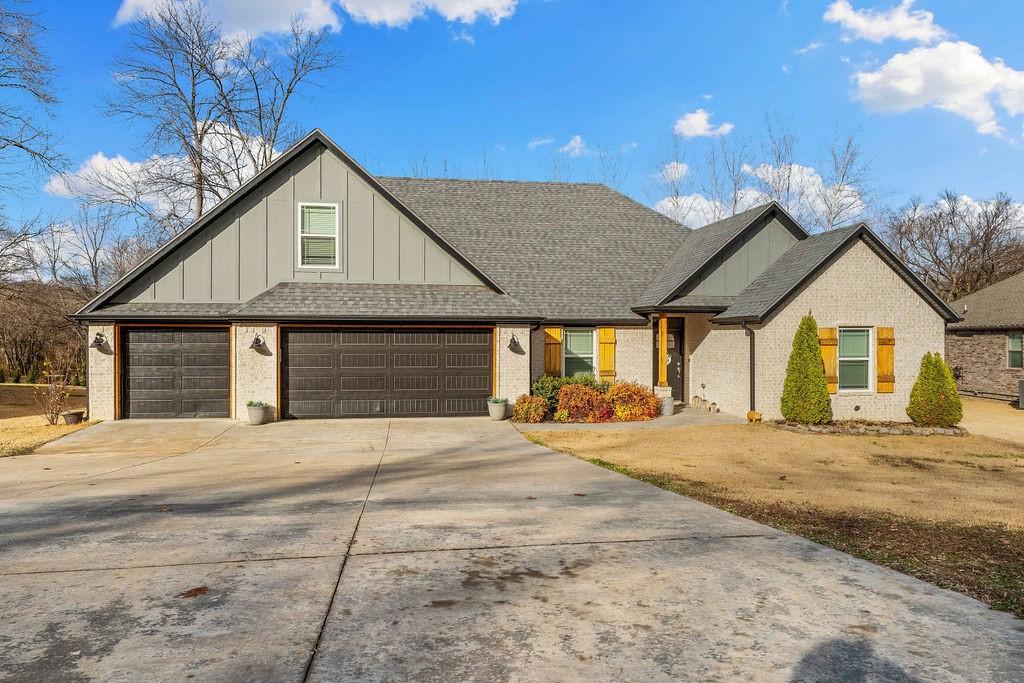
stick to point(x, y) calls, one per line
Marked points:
point(872, 428)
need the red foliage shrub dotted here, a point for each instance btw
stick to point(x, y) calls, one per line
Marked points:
point(631, 402)
point(583, 404)
point(530, 409)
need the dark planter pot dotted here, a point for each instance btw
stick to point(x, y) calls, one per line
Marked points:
point(73, 417)
point(258, 415)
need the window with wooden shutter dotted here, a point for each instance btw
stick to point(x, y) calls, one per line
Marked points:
point(828, 339)
point(553, 351)
point(886, 368)
point(606, 354)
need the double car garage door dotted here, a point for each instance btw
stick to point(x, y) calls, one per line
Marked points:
point(329, 372)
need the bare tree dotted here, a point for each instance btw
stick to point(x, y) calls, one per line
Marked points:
point(608, 166)
point(958, 246)
point(17, 256)
point(845, 194)
point(726, 181)
point(778, 176)
point(213, 108)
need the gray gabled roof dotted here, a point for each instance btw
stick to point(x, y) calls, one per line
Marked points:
point(998, 306)
point(803, 261)
point(701, 246)
point(567, 251)
point(366, 301)
point(314, 137)
point(156, 310)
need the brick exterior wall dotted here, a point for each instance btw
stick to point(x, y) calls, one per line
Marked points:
point(634, 354)
point(255, 372)
point(718, 360)
point(983, 362)
point(101, 374)
point(514, 367)
point(858, 289)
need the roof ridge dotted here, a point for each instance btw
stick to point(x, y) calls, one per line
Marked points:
point(496, 181)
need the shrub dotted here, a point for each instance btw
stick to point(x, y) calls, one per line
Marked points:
point(583, 403)
point(631, 402)
point(529, 409)
point(561, 416)
point(805, 393)
point(934, 401)
point(548, 386)
point(52, 398)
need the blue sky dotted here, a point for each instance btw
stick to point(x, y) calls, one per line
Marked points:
point(937, 87)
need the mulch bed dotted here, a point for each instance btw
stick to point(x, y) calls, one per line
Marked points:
point(864, 427)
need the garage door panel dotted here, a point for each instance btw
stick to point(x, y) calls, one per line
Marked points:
point(175, 372)
point(386, 372)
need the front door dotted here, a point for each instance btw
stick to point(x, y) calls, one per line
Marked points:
point(675, 357)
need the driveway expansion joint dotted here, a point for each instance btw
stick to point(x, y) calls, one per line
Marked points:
point(130, 567)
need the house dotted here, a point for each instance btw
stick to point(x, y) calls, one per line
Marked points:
point(329, 292)
point(985, 347)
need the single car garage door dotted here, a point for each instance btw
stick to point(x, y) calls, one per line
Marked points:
point(385, 372)
point(175, 372)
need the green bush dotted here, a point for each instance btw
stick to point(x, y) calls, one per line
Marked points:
point(529, 409)
point(547, 387)
point(805, 393)
point(934, 401)
point(33, 375)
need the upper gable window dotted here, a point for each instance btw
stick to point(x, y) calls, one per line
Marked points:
point(318, 235)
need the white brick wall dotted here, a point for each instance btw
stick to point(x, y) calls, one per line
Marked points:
point(255, 372)
point(859, 289)
point(634, 355)
point(718, 361)
point(101, 374)
point(514, 368)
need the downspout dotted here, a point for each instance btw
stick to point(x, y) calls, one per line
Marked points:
point(750, 334)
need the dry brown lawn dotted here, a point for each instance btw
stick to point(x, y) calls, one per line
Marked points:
point(969, 479)
point(18, 400)
point(943, 508)
point(22, 429)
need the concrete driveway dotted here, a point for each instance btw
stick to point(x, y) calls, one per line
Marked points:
point(430, 549)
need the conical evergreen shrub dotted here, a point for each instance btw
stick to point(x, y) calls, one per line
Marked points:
point(934, 401)
point(805, 393)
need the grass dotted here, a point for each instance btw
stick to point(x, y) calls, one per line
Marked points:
point(943, 509)
point(20, 435)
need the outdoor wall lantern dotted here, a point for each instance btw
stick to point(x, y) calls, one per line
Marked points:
point(257, 343)
point(99, 341)
point(513, 344)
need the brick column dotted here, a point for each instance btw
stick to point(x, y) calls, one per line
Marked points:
point(513, 364)
point(254, 370)
point(101, 373)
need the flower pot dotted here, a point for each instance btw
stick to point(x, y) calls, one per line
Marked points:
point(497, 410)
point(258, 414)
point(73, 417)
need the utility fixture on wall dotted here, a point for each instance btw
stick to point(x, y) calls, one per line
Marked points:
point(99, 341)
point(257, 343)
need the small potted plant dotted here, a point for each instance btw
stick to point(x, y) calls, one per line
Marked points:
point(497, 407)
point(259, 412)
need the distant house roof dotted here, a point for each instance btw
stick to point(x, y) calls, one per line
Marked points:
point(802, 261)
point(356, 301)
point(998, 306)
point(567, 251)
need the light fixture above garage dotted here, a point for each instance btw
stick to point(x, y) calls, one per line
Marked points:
point(99, 341)
point(257, 343)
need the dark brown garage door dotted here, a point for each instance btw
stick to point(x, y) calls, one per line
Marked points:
point(175, 372)
point(376, 372)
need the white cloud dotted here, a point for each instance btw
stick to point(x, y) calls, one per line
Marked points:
point(463, 36)
point(245, 16)
point(257, 17)
point(951, 76)
point(627, 147)
point(785, 68)
point(576, 147)
point(539, 142)
point(706, 96)
point(900, 22)
point(698, 124)
point(810, 47)
point(696, 210)
point(402, 12)
point(673, 171)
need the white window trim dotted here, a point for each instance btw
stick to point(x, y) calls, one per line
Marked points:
point(593, 347)
point(872, 384)
point(1008, 351)
point(337, 236)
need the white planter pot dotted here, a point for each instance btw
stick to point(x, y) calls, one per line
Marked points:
point(258, 416)
point(497, 410)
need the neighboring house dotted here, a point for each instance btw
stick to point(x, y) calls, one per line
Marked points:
point(329, 292)
point(985, 348)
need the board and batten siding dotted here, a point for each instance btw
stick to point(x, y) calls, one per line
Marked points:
point(253, 245)
point(729, 273)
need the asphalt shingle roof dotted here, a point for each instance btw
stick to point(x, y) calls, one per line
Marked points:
point(566, 251)
point(155, 309)
point(997, 306)
point(348, 301)
point(789, 270)
point(694, 252)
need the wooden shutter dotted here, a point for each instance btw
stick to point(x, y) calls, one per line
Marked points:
point(828, 338)
point(553, 351)
point(886, 354)
point(606, 354)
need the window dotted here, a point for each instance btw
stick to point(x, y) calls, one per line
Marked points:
point(579, 353)
point(1016, 346)
point(318, 235)
point(854, 358)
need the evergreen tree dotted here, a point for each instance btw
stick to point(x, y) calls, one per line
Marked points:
point(805, 393)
